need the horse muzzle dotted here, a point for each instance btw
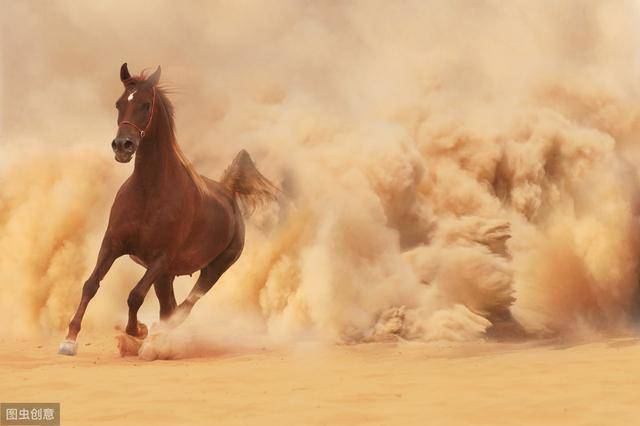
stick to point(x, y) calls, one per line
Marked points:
point(123, 148)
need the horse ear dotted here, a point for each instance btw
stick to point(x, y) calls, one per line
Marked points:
point(155, 77)
point(124, 73)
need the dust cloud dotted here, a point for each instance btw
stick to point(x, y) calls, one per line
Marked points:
point(447, 165)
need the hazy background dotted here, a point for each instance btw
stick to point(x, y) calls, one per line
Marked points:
point(412, 139)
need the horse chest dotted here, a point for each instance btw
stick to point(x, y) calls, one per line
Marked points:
point(156, 233)
point(150, 243)
point(165, 226)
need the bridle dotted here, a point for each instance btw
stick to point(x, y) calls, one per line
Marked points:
point(146, 127)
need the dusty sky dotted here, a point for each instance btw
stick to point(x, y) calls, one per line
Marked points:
point(413, 138)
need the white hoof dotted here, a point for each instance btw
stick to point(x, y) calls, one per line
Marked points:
point(68, 347)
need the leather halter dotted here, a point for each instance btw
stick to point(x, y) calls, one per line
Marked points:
point(146, 127)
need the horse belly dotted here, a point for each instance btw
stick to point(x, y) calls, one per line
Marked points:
point(138, 261)
point(194, 257)
point(209, 237)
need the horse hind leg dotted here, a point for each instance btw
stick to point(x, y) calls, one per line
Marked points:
point(166, 297)
point(209, 275)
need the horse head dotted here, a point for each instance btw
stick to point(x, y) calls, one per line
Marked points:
point(136, 108)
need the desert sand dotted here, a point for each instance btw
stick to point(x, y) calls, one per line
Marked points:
point(550, 383)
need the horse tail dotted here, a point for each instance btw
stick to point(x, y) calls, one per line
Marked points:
point(247, 184)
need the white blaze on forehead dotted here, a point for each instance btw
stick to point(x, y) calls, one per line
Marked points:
point(130, 97)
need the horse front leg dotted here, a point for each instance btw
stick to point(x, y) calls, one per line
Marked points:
point(137, 296)
point(106, 257)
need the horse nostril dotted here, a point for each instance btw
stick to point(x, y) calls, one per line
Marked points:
point(113, 144)
point(128, 145)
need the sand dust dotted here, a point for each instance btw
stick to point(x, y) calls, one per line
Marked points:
point(435, 180)
point(448, 167)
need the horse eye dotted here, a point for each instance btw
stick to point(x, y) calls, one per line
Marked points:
point(146, 105)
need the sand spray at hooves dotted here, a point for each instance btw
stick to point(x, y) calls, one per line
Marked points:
point(446, 165)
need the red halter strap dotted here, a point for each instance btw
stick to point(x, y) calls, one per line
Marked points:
point(146, 127)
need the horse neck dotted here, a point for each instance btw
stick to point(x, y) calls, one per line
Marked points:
point(157, 161)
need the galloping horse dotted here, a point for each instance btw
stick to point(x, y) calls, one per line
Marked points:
point(167, 217)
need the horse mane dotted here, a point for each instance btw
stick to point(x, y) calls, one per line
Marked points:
point(167, 105)
point(162, 92)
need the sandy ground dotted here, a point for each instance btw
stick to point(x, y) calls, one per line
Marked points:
point(546, 383)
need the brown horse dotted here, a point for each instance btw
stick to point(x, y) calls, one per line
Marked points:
point(167, 217)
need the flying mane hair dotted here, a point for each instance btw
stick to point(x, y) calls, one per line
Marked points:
point(166, 105)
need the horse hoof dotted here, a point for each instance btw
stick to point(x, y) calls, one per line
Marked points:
point(143, 331)
point(68, 347)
